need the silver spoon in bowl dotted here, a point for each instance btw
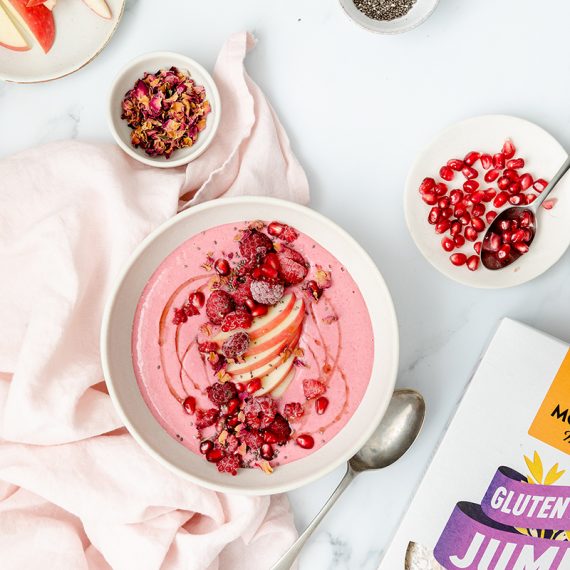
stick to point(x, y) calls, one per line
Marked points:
point(394, 435)
point(493, 256)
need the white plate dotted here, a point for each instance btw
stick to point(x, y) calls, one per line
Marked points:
point(80, 35)
point(543, 156)
point(118, 367)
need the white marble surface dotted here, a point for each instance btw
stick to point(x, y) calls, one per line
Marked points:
point(358, 108)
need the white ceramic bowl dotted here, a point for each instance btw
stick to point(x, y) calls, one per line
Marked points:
point(118, 367)
point(152, 62)
point(418, 14)
point(543, 156)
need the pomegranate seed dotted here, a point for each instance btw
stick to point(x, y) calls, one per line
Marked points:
point(470, 186)
point(189, 405)
point(269, 272)
point(490, 216)
point(526, 181)
point(448, 244)
point(315, 290)
point(446, 213)
point(549, 204)
point(240, 386)
point(256, 273)
point(455, 197)
point(477, 247)
point(459, 240)
point(222, 267)
point(503, 183)
point(515, 188)
point(259, 310)
point(493, 243)
point(455, 164)
point(253, 386)
point(442, 226)
point(521, 247)
point(469, 172)
point(509, 149)
point(473, 263)
point(515, 163)
point(455, 228)
point(492, 175)
point(427, 185)
point(266, 452)
point(507, 236)
point(321, 405)
point(458, 259)
point(232, 406)
point(504, 251)
point(269, 437)
point(478, 224)
point(511, 174)
point(465, 218)
point(271, 260)
point(214, 455)
point(530, 198)
point(197, 299)
point(470, 233)
point(525, 220)
point(434, 215)
point(499, 160)
point(516, 199)
point(206, 446)
point(539, 185)
point(486, 161)
point(276, 228)
point(441, 189)
point(500, 200)
point(478, 210)
point(477, 197)
point(517, 236)
point(460, 209)
point(505, 225)
point(305, 441)
point(232, 421)
point(444, 202)
point(429, 198)
point(527, 235)
point(471, 158)
point(446, 173)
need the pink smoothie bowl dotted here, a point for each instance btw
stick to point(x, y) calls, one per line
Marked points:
point(120, 376)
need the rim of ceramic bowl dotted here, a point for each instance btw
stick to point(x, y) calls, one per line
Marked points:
point(212, 92)
point(372, 27)
point(388, 379)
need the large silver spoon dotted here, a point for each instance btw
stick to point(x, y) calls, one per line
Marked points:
point(491, 255)
point(393, 437)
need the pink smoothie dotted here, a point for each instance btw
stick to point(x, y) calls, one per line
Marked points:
point(336, 343)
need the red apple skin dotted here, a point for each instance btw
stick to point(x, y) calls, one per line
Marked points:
point(24, 48)
point(40, 21)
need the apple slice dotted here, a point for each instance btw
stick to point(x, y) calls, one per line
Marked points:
point(37, 20)
point(100, 8)
point(10, 36)
point(285, 329)
point(273, 379)
point(280, 389)
point(255, 361)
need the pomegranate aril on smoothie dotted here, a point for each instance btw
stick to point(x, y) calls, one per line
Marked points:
point(464, 215)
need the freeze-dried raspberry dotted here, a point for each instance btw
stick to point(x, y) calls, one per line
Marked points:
point(206, 418)
point(260, 411)
point(229, 464)
point(289, 234)
point(266, 292)
point(292, 266)
point(239, 319)
point(313, 388)
point(235, 345)
point(279, 429)
point(221, 393)
point(293, 411)
point(219, 304)
point(232, 443)
point(207, 347)
point(254, 245)
point(242, 291)
point(252, 438)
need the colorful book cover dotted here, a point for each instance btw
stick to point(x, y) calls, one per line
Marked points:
point(497, 493)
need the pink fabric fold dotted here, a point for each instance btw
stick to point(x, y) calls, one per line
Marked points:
point(76, 491)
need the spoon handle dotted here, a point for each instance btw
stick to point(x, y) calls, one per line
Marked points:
point(555, 179)
point(286, 561)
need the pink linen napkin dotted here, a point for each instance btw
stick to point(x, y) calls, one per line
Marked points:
point(76, 491)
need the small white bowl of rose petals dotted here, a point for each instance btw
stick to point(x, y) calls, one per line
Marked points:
point(164, 109)
point(466, 177)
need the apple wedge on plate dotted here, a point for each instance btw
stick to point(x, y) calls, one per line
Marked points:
point(37, 21)
point(10, 36)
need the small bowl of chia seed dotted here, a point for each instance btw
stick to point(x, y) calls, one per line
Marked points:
point(389, 16)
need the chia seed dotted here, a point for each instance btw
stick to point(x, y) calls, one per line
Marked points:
point(384, 9)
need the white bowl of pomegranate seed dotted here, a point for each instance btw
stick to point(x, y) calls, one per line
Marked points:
point(250, 345)
point(471, 172)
